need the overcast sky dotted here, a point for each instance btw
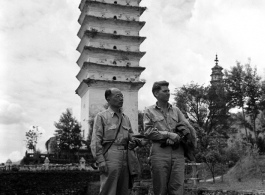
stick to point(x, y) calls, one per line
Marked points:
point(38, 55)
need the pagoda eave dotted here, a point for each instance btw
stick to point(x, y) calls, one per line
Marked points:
point(89, 18)
point(114, 51)
point(114, 6)
point(216, 81)
point(89, 66)
point(217, 67)
point(217, 73)
point(82, 5)
point(94, 34)
point(105, 84)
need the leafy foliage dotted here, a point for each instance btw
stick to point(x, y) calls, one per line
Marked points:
point(246, 91)
point(254, 95)
point(191, 100)
point(207, 110)
point(56, 182)
point(204, 106)
point(32, 138)
point(236, 150)
point(140, 122)
point(52, 145)
point(68, 133)
point(235, 85)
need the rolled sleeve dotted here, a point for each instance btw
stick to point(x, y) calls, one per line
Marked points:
point(150, 131)
point(96, 141)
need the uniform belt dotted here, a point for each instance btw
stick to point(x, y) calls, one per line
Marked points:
point(120, 146)
point(157, 141)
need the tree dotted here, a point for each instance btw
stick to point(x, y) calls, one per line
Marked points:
point(52, 145)
point(245, 90)
point(68, 133)
point(211, 159)
point(236, 88)
point(205, 106)
point(140, 122)
point(143, 152)
point(254, 95)
point(211, 149)
point(207, 110)
point(262, 99)
point(219, 116)
point(192, 100)
point(32, 138)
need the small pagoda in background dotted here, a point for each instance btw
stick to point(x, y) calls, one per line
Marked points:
point(217, 74)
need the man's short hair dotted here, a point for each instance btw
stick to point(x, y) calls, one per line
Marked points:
point(157, 86)
point(107, 94)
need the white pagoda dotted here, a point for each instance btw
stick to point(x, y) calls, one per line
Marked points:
point(109, 56)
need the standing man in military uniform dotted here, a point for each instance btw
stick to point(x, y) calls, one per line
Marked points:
point(111, 138)
point(167, 162)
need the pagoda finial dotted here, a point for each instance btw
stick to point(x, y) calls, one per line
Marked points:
point(216, 60)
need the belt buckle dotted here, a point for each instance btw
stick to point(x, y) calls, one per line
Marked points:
point(121, 147)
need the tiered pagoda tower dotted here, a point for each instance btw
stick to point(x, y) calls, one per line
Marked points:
point(217, 74)
point(109, 55)
point(217, 92)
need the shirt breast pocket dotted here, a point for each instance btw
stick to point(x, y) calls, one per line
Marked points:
point(126, 131)
point(159, 122)
point(110, 132)
point(174, 121)
point(158, 119)
point(126, 128)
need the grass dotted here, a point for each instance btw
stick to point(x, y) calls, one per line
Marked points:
point(245, 175)
point(233, 185)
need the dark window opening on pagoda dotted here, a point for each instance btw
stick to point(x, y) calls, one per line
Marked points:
point(128, 64)
point(115, 2)
point(115, 32)
point(115, 17)
point(114, 47)
point(114, 62)
point(114, 78)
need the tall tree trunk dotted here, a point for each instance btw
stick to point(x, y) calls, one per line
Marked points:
point(254, 129)
point(243, 112)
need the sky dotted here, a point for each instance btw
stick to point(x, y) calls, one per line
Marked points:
point(38, 56)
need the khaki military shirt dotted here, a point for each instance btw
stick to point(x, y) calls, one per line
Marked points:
point(105, 128)
point(157, 123)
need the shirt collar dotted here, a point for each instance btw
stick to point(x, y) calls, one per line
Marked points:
point(112, 112)
point(169, 106)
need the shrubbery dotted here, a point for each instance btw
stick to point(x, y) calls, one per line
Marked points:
point(48, 182)
point(143, 154)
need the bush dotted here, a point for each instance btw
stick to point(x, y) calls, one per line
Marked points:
point(49, 182)
point(143, 156)
point(261, 145)
point(235, 152)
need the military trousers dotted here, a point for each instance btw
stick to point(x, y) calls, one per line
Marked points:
point(167, 167)
point(116, 180)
